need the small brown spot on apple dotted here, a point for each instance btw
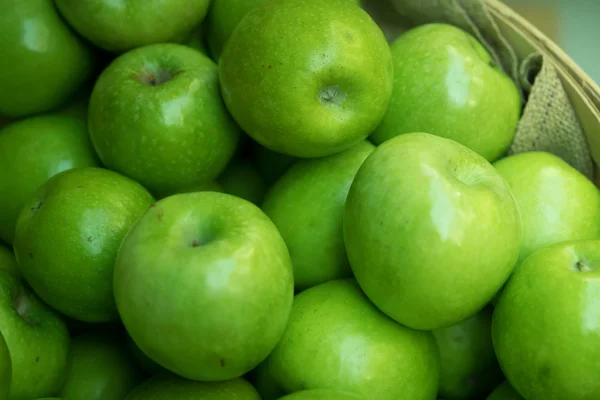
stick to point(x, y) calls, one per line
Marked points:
point(79, 187)
point(160, 213)
point(90, 239)
point(195, 243)
point(30, 254)
point(37, 359)
point(152, 205)
point(222, 363)
point(270, 66)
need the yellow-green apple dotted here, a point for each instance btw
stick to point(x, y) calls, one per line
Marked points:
point(43, 61)
point(156, 115)
point(166, 386)
point(546, 324)
point(242, 179)
point(118, 26)
point(468, 365)
point(557, 202)
point(312, 193)
point(446, 84)
point(68, 235)
point(99, 367)
point(322, 394)
point(336, 339)
point(215, 275)
point(37, 340)
point(504, 392)
point(8, 260)
point(5, 369)
point(33, 150)
point(432, 231)
point(307, 77)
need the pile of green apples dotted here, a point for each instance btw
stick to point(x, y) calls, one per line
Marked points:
point(267, 199)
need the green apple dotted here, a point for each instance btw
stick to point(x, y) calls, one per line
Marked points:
point(336, 339)
point(33, 150)
point(545, 327)
point(118, 26)
point(156, 115)
point(557, 202)
point(307, 78)
point(222, 19)
point(313, 193)
point(37, 340)
point(68, 235)
point(468, 365)
point(204, 285)
point(210, 186)
point(99, 367)
point(446, 84)
point(421, 213)
point(243, 180)
point(265, 383)
point(5, 369)
point(148, 365)
point(8, 261)
point(504, 392)
point(322, 394)
point(270, 164)
point(43, 61)
point(170, 387)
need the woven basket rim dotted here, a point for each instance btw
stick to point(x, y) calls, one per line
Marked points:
point(565, 63)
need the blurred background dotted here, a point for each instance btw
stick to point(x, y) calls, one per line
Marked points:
point(573, 24)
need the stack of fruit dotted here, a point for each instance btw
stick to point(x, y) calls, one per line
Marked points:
point(296, 210)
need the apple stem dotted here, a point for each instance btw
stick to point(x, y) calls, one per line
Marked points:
point(582, 266)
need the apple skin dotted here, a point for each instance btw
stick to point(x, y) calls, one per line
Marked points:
point(504, 392)
point(313, 193)
point(418, 215)
point(32, 151)
point(243, 180)
point(557, 202)
point(307, 78)
point(43, 62)
point(166, 386)
point(210, 186)
point(156, 115)
point(322, 394)
point(215, 275)
point(148, 365)
point(336, 339)
point(121, 26)
point(37, 339)
point(468, 365)
point(8, 260)
point(545, 327)
point(68, 235)
point(222, 19)
point(100, 367)
point(5, 369)
point(445, 84)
